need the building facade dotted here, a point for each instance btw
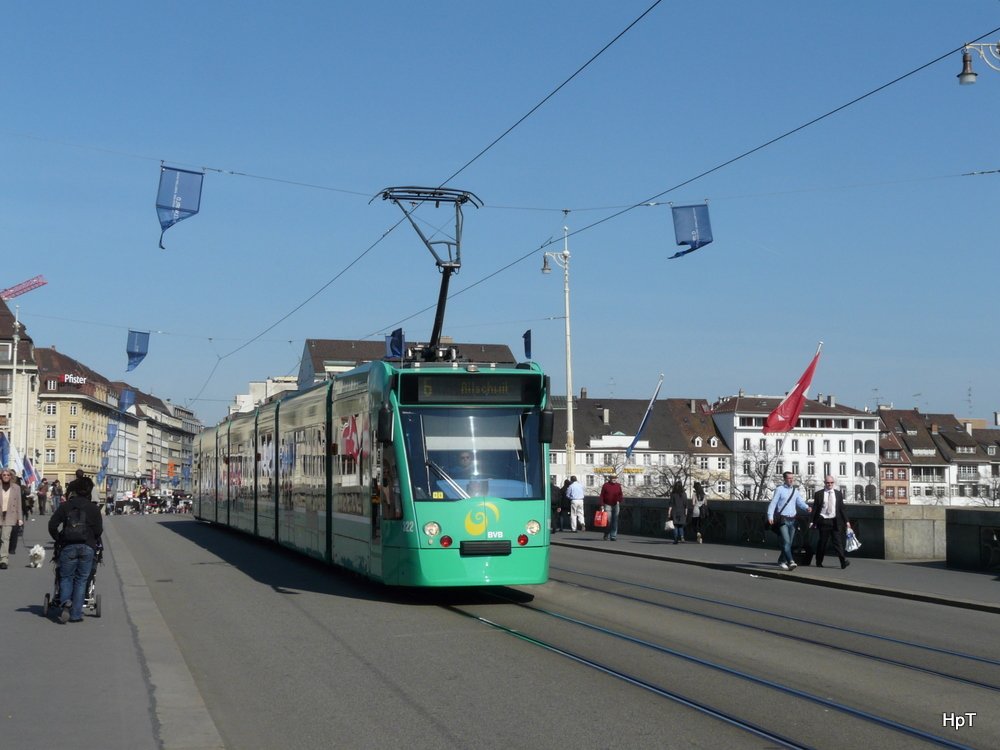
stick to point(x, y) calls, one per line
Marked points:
point(680, 442)
point(828, 439)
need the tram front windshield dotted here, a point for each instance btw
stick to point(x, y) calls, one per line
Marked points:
point(460, 453)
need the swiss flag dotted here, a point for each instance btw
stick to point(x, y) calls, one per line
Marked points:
point(786, 415)
point(350, 441)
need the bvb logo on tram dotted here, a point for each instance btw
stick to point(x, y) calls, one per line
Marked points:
point(477, 521)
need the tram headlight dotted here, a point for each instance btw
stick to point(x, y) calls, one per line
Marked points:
point(532, 527)
point(432, 528)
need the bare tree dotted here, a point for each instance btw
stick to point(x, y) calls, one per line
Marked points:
point(989, 493)
point(760, 467)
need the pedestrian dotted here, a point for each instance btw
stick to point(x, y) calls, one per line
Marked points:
point(574, 493)
point(43, 495)
point(680, 509)
point(699, 511)
point(611, 498)
point(11, 519)
point(555, 497)
point(785, 503)
point(76, 526)
point(27, 500)
point(830, 517)
point(56, 491)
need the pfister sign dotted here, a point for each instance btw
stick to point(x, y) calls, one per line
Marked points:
point(73, 379)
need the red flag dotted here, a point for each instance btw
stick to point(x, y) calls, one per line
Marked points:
point(785, 417)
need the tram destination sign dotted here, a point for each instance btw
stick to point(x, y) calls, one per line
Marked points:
point(470, 388)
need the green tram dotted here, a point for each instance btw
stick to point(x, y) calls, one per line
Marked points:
point(415, 474)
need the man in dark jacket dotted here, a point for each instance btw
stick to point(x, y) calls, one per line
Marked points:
point(76, 526)
point(830, 518)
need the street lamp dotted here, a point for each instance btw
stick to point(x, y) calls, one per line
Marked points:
point(562, 260)
point(968, 76)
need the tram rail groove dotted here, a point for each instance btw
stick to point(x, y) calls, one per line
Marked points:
point(801, 639)
point(857, 713)
point(845, 585)
point(715, 713)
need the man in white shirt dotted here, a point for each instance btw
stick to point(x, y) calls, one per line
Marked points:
point(575, 494)
point(830, 518)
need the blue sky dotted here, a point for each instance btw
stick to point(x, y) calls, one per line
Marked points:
point(859, 230)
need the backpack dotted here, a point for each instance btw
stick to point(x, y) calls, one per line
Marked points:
point(74, 530)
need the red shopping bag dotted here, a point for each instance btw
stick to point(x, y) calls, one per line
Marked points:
point(600, 519)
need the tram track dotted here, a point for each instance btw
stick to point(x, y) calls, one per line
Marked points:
point(529, 627)
point(867, 654)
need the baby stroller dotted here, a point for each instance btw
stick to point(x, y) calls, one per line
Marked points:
point(91, 599)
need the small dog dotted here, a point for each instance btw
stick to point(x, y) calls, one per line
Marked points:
point(36, 557)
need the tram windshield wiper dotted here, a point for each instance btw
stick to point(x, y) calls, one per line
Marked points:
point(448, 478)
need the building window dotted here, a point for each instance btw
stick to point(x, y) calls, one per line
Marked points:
point(697, 442)
point(50, 432)
point(72, 410)
point(901, 491)
point(746, 491)
point(50, 455)
point(51, 385)
point(723, 462)
point(590, 480)
point(890, 474)
point(795, 467)
point(777, 445)
point(890, 493)
point(609, 460)
point(647, 460)
point(826, 469)
point(50, 408)
point(703, 462)
point(916, 492)
point(72, 432)
point(72, 456)
point(779, 467)
point(795, 446)
point(630, 480)
point(811, 448)
point(554, 458)
point(826, 446)
point(714, 442)
point(763, 444)
point(677, 459)
point(843, 469)
point(722, 487)
point(746, 467)
point(901, 474)
point(588, 458)
point(746, 444)
point(647, 480)
point(811, 468)
point(662, 459)
point(842, 446)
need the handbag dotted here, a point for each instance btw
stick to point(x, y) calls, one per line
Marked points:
point(777, 519)
point(669, 525)
point(600, 518)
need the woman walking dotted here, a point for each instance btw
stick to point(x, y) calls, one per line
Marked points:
point(680, 507)
point(699, 512)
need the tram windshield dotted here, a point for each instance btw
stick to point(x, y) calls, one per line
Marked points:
point(460, 453)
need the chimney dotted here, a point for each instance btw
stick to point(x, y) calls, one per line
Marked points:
point(831, 400)
point(607, 416)
point(583, 393)
point(694, 409)
point(819, 397)
point(968, 427)
point(934, 428)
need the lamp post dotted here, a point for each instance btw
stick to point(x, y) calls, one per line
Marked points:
point(562, 260)
point(990, 54)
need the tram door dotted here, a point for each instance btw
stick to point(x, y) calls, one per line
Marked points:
point(375, 508)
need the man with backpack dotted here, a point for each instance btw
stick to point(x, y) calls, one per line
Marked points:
point(76, 542)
